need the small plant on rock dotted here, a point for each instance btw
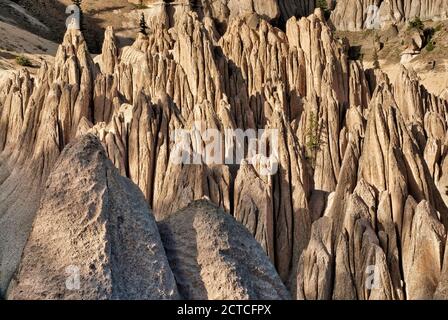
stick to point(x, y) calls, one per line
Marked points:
point(416, 23)
point(313, 141)
point(23, 61)
point(322, 4)
point(140, 5)
point(143, 25)
point(355, 53)
point(430, 46)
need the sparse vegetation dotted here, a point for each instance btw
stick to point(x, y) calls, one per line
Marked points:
point(416, 23)
point(143, 25)
point(322, 4)
point(313, 141)
point(438, 28)
point(140, 5)
point(23, 61)
point(429, 34)
point(376, 62)
point(430, 46)
point(375, 58)
point(354, 53)
point(41, 48)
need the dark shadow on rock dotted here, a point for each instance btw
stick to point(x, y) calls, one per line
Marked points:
point(182, 256)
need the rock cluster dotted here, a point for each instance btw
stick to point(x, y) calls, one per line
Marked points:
point(223, 11)
point(92, 226)
point(353, 15)
point(356, 210)
point(94, 238)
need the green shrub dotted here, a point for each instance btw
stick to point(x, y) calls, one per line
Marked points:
point(376, 61)
point(23, 61)
point(140, 6)
point(354, 53)
point(313, 141)
point(429, 35)
point(324, 6)
point(416, 23)
point(430, 46)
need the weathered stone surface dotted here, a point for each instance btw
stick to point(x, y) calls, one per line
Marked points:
point(98, 222)
point(352, 15)
point(92, 221)
point(254, 207)
point(224, 10)
point(315, 274)
point(362, 159)
point(214, 257)
point(423, 246)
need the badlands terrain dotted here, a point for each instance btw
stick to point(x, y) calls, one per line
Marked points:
point(94, 205)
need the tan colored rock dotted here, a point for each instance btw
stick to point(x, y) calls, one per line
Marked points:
point(215, 257)
point(355, 148)
point(315, 274)
point(423, 246)
point(364, 13)
point(96, 224)
point(254, 207)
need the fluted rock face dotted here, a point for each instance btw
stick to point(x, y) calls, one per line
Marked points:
point(423, 246)
point(353, 15)
point(357, 208)
point(38, 117)
point(116, 253)
point(223, 11)
point(214, 257)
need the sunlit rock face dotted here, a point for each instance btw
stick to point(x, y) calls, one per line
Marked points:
point(118, 253)
point(356, 210)
point(379, 13)
point(223, 11)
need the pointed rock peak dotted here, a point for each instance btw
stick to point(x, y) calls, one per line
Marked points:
point(319, 13)
point(141, 42)
point(74, 38)
point(109, 35)
point(104, 232)
point(383, 93)
point(407, 74)
point(44, 75)
point(73, 58)
point(84, 127)
point(215, 257)
point(109, 56)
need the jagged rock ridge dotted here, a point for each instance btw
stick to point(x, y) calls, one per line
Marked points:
point(353, 15)
point(361, 182)
point(97, 223)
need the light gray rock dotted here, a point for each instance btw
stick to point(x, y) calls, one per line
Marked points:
point(214, 257)
point(353, 15)
point(93, 226)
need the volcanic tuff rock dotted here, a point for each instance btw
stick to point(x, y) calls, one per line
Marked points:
point(362, 182)
point(96, 222)
point(214, 257)
point(38, 117)
point(223, 11)
point(352, 15)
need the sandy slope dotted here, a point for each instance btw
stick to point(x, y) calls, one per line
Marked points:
point(15, 42)
point(434, 80)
